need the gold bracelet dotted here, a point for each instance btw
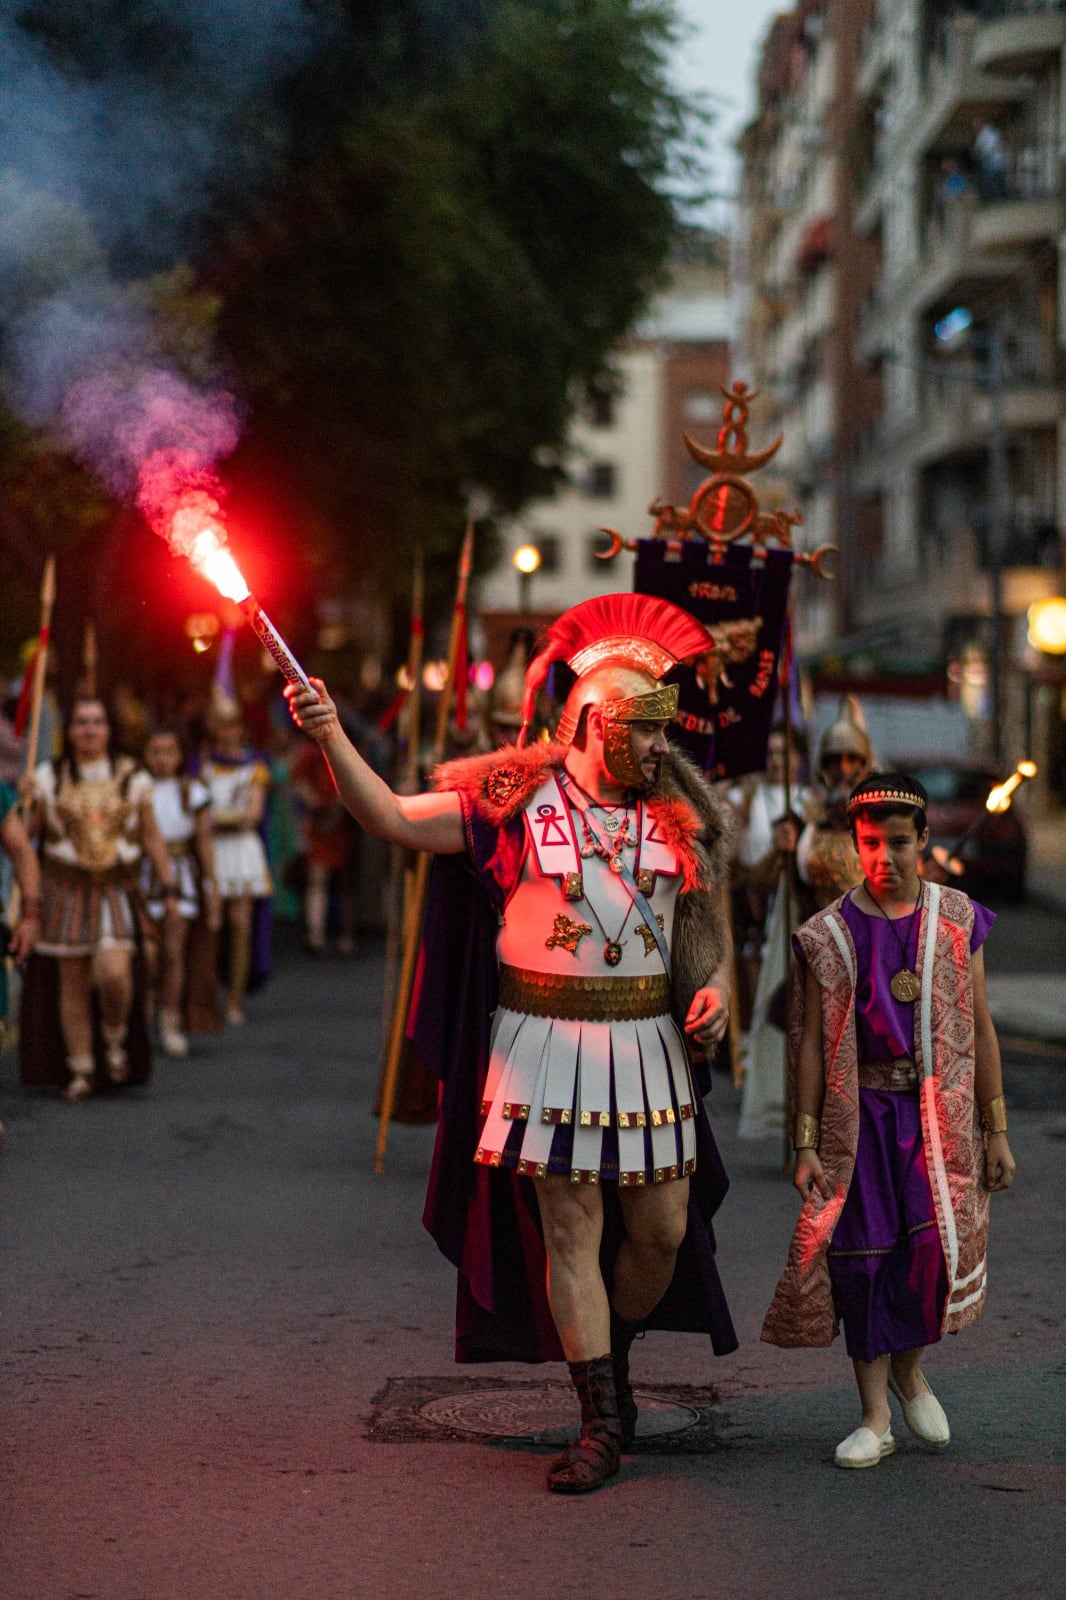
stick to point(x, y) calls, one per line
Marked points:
point(805, 1132)
point(994, 1115)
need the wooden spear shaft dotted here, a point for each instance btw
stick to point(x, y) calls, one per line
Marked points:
point(401, 881)
point(40, 665)
point(413, 919)
point(786, 876)
point(33, 726)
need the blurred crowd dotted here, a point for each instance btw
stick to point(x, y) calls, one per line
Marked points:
point(153, 848)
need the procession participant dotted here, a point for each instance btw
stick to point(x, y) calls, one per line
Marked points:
point(18, 942)
point(182, 807)
point(900, 1125)
point(825, 855)
point(95, 818)
point(329, 844)
point(762, 1099)
point(237, 781)
point(768, 826)
point(575, 1172)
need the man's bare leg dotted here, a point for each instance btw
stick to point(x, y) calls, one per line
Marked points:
point(655, 1220)
point(572, 1220)
point(571, 1215)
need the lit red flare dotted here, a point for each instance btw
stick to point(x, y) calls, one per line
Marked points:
point(183, 503)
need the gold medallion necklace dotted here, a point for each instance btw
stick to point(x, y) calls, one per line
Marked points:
point(905, 985)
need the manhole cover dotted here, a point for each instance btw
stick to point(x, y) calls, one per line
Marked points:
point(545, 1415)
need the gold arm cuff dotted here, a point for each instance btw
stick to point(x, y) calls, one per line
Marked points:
point(994, 1115)
point(805, 1131)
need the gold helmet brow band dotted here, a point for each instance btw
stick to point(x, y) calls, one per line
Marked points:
point(658, 705)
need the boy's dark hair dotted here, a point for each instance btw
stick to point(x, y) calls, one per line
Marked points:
point(888, 794)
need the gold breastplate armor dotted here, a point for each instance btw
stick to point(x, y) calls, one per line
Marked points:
point(93, 816)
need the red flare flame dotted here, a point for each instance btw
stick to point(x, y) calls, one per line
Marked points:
point(182, 501)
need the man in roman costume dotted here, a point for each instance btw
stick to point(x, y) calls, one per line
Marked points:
point(564, 962)
point(826, 858)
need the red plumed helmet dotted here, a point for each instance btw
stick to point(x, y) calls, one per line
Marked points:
point(636, 635)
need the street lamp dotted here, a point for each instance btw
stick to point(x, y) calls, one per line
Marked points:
point(525, 560)
point(1047, 626)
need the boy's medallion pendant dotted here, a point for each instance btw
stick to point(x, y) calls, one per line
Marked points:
point(905, 986)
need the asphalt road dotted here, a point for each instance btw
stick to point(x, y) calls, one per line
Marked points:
point(218, 1326)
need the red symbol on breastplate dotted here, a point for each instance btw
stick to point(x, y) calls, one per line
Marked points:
point(551, 826)
point(653, 836)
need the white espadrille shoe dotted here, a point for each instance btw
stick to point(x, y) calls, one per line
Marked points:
point(924, 1416)
point(864, 1448)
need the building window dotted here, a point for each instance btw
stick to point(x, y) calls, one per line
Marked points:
point(601, 410)
point(550, 547)
point(602, 481)
point(701, 405)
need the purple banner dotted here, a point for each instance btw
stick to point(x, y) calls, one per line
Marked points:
point(727, 706)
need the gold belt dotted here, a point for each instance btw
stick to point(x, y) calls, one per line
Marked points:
point(119, 876)
point(901, 1074)
point(551, 994)
point(176, 848)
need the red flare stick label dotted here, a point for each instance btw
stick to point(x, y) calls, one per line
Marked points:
point(272, 642)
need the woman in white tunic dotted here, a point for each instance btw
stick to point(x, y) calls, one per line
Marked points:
point(237, 781)
point(182, 807)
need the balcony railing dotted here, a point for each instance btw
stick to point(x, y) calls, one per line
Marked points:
point(991, 10)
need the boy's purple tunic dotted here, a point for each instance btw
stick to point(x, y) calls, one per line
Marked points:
point(486, 1219)
point(899, 1247)
point(886, 1262)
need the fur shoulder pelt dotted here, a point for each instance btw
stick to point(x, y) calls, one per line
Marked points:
point(692, 816)
point(503, 782)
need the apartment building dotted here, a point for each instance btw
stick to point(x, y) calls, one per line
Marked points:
point(962, 478)
point(903, 228)
point(626, 446)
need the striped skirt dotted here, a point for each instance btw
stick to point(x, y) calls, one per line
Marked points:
point(600, 1101)
point(82, 912)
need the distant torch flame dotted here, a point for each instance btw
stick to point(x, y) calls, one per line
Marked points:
point(998, 801)
point(1000, 797)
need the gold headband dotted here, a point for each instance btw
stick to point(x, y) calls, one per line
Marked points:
point(886, 797)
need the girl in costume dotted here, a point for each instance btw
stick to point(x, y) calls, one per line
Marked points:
point(182, 807)
point(94, 813)
point(237, 781)
point(900, 1125)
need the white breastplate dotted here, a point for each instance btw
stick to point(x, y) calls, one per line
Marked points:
point(568, 907)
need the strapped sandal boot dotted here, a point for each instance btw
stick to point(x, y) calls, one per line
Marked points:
point(171, 1037)
point(80, 1086)
point(622, 1335)
point(594, 1455)
point(116, 1061)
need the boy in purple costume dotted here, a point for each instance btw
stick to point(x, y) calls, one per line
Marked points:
point(889, 1276)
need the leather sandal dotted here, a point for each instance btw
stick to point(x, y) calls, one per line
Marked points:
point(594, 1456)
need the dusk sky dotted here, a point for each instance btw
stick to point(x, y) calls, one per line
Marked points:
point(720, 58)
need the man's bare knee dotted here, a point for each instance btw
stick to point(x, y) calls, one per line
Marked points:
point(571, 1218)
point(656, 1223)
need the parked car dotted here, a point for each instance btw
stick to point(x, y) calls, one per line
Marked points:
point(994, 853)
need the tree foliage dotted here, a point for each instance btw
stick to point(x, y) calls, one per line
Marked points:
point(421, 246)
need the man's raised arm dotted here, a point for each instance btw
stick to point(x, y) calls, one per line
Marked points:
point(420, 821)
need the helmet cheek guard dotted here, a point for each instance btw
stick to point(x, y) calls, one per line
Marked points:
point(619, 757)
